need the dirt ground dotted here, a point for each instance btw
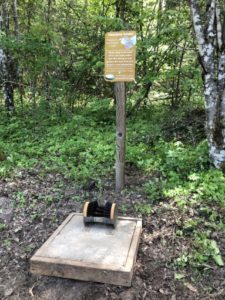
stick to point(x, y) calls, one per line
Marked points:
point(32, 205)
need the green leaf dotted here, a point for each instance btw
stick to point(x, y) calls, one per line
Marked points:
point(179, 276)
point(216, 253)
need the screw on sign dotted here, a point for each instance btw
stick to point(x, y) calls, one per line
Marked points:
point(120, 57)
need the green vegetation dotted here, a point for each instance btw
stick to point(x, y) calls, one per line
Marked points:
point(2, 226)
point(61, 118)
point(7, 243)
point(143, 209)
point(81, 148)
point(204, 250)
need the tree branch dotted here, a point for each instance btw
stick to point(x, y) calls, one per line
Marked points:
point(149, 85)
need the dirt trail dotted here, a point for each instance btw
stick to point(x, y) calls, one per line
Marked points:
point(33, 205)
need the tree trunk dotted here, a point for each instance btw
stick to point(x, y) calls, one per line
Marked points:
point(47, 72)
point(120, 9)
point(15, 17)
point(211, 48)
point(2, 57)
point(6, 62)
point(171, 4)
point(9, 96)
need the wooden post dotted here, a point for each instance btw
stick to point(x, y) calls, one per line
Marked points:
point(120, 93)
point(120, 53)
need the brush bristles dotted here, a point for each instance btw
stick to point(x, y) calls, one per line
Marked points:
point(94, 210)
point(107, 209)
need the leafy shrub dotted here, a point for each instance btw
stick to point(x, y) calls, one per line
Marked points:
point(204, 249)
point(143, 208)
point(182, 159)
point(209, 186)
point(204, 186)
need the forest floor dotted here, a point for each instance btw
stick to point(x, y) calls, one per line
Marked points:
point(33, 206)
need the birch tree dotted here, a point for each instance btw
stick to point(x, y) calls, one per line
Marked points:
point(210, 34)
point(2, 56)
point(6, 62)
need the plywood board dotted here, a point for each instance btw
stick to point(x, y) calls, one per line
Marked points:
point(94, 253)
point(120, 56)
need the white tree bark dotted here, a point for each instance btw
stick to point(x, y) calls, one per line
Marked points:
point(212, 56)
point(6, 61)
point(2, 57)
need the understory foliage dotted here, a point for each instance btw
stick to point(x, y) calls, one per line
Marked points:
point(58, 51)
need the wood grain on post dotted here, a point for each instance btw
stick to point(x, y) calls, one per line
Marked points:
point(120, 93)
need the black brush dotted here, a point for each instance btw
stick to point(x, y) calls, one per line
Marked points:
point(95, 213)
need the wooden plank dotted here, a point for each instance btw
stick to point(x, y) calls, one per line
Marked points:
point(74, 270)
point(69, 268)
point(132, 254)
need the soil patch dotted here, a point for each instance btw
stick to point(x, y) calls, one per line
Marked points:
point(32, 207)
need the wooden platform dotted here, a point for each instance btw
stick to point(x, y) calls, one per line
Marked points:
point(94, 253)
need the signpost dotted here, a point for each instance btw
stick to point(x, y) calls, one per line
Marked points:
point(120, 54)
